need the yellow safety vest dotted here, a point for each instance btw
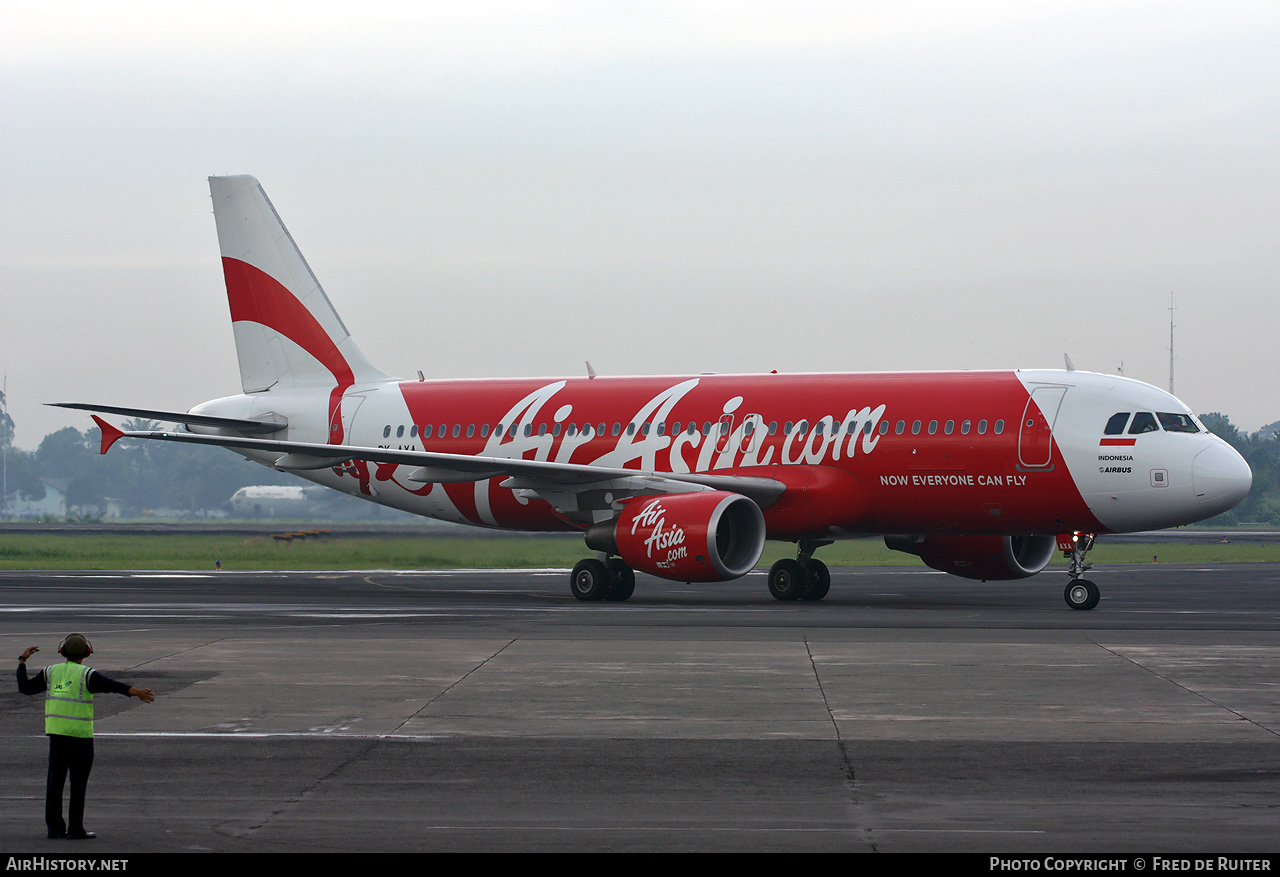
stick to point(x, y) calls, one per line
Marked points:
point(68, 704)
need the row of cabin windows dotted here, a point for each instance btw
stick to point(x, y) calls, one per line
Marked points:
point(1145, 421)
point(947, 428)
point(721, 427)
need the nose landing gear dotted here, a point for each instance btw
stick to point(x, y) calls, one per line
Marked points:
point(1080, 593)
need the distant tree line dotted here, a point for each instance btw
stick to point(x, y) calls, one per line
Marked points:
point(1262, 451)
point(6, 423)
point(141, 476)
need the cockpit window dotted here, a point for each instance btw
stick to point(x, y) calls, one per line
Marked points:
point(1143, 421)
point(1177, 422)
point(1115, 426)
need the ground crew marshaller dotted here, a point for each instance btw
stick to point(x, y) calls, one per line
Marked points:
point(68, 722)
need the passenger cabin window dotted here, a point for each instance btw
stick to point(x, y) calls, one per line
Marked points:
point(1115, 426)
point(386, 431)
point(400, 431)
point(964, 428)
point(1143, 421)
point(999, 427)
point(413, 431)
point(1177, 422)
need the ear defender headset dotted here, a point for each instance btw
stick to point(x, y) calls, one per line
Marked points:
point(75, 646)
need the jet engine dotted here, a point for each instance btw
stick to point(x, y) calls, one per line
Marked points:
point(709, 536)
point(988, 558)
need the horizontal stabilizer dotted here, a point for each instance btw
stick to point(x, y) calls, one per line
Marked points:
point(248, 427)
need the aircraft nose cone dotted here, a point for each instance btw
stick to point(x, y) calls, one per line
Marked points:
point(1220, 478)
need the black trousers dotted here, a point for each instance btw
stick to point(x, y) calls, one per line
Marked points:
point(72, 755)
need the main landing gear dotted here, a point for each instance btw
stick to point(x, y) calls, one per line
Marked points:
point(610, 579)
point(805, 578)
point(1080, 593)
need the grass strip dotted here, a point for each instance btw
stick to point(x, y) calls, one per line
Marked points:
point(106, 551)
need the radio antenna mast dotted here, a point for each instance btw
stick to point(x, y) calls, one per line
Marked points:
point(4, 448)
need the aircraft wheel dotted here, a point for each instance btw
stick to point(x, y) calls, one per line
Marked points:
point(786, 579)
point(622, 580)
point(1082, 594)
point(817, 581)
point(590, 580)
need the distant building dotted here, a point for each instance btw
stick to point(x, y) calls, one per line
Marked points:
point(54, 502)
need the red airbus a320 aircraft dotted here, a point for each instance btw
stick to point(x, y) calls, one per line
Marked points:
point(981, 474)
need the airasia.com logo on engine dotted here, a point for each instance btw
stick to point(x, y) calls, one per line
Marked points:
point(668, 540)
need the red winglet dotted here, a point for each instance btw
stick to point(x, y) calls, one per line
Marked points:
point(110, 435)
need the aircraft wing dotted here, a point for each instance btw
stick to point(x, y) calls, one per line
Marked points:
point(564, 481)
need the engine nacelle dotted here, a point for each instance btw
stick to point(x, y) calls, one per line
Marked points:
point(710, 536)
point(989, 558)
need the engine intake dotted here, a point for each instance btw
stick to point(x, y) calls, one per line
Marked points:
point(988, 558)
point(709, 536)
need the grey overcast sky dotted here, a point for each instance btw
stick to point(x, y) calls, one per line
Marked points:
point(510, 188)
